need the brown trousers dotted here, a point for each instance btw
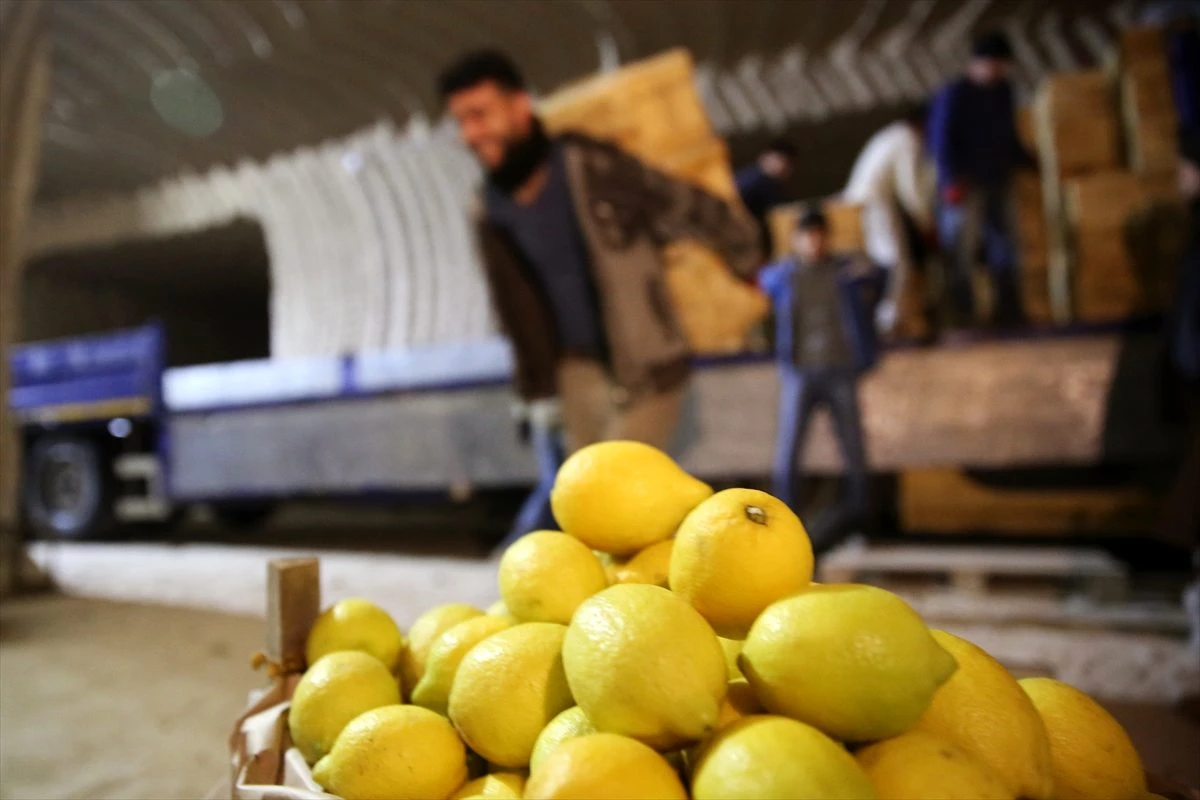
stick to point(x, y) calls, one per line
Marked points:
point(595, 410)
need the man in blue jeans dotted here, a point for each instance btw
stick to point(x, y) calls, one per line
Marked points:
point(825, 340)
point(973, 137)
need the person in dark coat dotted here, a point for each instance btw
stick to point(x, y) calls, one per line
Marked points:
point(973, 137)
point(762, 185)
point(825, 341)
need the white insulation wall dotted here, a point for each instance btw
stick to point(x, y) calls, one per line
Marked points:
point(368, 237)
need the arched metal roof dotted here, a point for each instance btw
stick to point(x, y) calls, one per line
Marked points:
point(143, 89)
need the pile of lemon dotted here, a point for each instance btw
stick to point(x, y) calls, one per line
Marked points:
point(670, 643)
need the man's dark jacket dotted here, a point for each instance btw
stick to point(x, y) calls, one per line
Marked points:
point(627, 213)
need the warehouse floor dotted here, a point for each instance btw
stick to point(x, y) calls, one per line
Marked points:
point(127, 687)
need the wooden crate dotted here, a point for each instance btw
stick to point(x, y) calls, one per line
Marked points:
point(651, 108)
point(1148, 117)
point(1075, 123)
point(1139, 44)
point(947, 501)
point(845, 225)
point(715, 309)
point(1033, 248)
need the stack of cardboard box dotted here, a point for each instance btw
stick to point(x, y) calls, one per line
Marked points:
point(1092, 195)
point(1148, 116)
point(1033, 248)
point(1075, 125)
point(651, 109)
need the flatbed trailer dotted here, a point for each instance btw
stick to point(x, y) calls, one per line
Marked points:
point(113, 434)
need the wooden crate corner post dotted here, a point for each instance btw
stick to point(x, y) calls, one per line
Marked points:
point(293, 602)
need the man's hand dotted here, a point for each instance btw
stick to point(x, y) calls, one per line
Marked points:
point(953, 193)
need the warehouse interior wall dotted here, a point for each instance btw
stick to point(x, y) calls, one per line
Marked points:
point(210, 288)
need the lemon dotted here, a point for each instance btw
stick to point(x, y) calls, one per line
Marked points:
point(545, 575)
point(394, 753)
point(622, 497)
point(733, 649)
point(610, 564)
point(651, 565)
point(739, 702)
point(355, 624)
point(643, 663)
point(605, 765)
point(569, 724)
point(854, 661)
point(498, 609)
point(737, 553)
point(334, 690)
point(509, 687)
point(1091, 755)
point(424, 632)
point(983, 710)
point(433, 690)
point(918, 764)
point(501, 785)
point(775, 758)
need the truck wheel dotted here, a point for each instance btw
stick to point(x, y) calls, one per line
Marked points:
point(68, 491)
point(243, 516)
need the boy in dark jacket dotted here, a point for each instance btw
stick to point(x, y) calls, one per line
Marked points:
point(825, 340)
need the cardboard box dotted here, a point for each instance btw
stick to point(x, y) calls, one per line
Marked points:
point(1075, 123)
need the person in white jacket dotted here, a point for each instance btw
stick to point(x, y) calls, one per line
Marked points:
point(892, 180)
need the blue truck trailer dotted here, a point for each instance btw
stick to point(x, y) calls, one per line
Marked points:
point(114, 435)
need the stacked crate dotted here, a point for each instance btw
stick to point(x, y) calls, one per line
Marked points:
point(1033, 248)
point(1147, 107)
point(651, 109)
point(1092, 195)
point(1075, 125)
point(845, 225)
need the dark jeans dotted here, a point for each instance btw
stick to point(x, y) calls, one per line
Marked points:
point(535, 513)
point(984, 219)
point(801, 392)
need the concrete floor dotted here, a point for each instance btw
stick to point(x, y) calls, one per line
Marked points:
point(112, 700)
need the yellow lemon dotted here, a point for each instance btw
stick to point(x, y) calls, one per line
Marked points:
point(334, 690)
point(500, 785)
point(394, 753)
point(739, 702)
point(570, 724)
point(433, 690)
point(775, 758)
point(737, 553)
point(545, 575)
point(854, 661)
point(424, 632)
point(355, 624)
point(643, 663)
point(983, 710)
point(733, 649)
point(918, 764)
point(610, 564)
point(509, 687)
point(604, 765)
point(1091, 755)
point(498, 609)
point(652, 565)
point(622, 497)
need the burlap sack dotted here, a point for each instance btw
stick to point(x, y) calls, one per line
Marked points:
point(265, 765)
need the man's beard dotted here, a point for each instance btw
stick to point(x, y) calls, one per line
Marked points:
point(521, 159)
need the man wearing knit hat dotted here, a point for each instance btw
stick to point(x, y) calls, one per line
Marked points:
point(973, 138)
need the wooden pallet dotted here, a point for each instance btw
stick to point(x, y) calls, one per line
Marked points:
point(972, 571)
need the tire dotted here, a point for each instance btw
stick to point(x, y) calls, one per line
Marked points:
point(246, 516)
point(68, 489)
